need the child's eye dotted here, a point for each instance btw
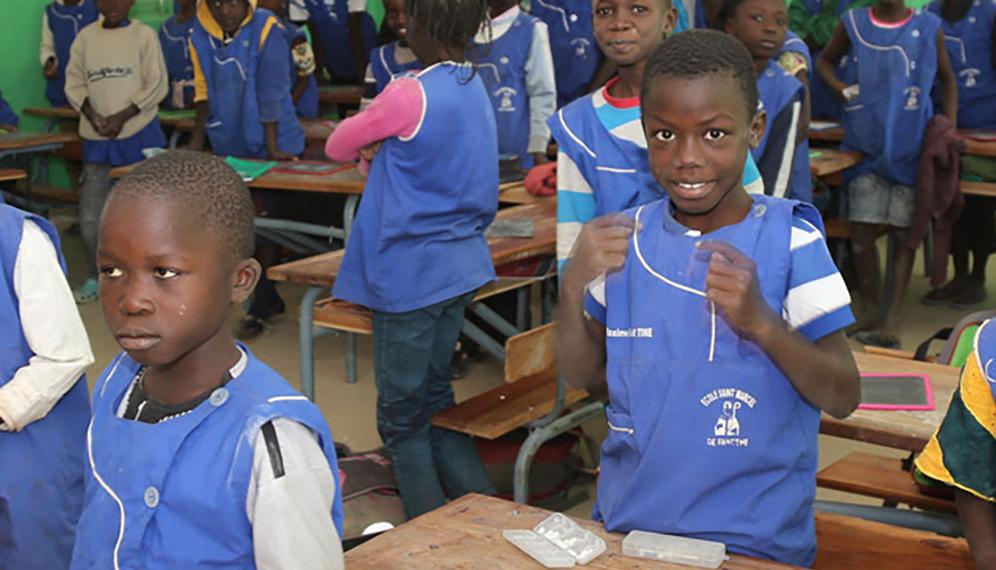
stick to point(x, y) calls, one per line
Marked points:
point(714, 134)
point(166, 273)
point(781, 22)
point(603, 11)
point(639, 9)
point(664, 135)
point(111, 272)
point(757, 18)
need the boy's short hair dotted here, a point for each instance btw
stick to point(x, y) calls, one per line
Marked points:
point(209, 189)
point(697, 53)
point(726, 12)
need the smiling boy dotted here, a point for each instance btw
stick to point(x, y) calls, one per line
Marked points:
point(714, 318)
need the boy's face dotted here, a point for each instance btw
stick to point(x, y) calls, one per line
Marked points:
point(698, 134)
point(761, 26)
point(228, 13)
point(187, 4)
point(167, 282)
point(394, 16)
point(627, 31)
point(114, 11)
point(278, 7)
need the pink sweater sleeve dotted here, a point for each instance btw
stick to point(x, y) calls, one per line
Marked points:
point(396, 112)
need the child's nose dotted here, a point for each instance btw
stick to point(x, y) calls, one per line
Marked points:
point(688, 153)
point(134, 298)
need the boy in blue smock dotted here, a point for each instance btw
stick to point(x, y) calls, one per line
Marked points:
point(513, 57)
point(44, 406)
point(174, 37)
point(969, 32)
point(417, 254)
point(898, 54)
point(391, 59)
point(782, 155)
point(198, 454)
point(304, 87)
point(61, 23)
point(343, 34)
point(715, 317)
point(576, 56)
point(602, 158)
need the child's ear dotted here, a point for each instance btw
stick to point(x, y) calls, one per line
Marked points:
point(247, 274)
point(669, 21)
point(757, 126)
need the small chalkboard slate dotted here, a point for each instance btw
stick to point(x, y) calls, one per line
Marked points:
point(510, 228)
point(896, 392)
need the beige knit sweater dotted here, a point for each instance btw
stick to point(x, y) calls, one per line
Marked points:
point(115, 68)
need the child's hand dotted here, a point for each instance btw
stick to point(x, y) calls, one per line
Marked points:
point(367, 153)
point(113, 125)
point(601, 247)
point(277, 154)
point(732, 285)
point(98, 121)
point(51, 69)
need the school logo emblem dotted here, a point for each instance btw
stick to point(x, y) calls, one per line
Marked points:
point(730, 405)
point(969, 75)
point(580, 46)
point(912, 95)
point(506, 94)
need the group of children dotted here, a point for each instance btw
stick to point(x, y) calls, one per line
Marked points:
point(696, 285)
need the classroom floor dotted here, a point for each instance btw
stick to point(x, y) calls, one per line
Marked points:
point(350, 408)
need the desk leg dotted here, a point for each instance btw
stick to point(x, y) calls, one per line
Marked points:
point(174, 138)
point(350, 358)
point(307, 338)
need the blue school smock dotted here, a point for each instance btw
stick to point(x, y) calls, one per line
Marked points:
point(7, 114)
point(419, 232)
point(969, 45)
point(173, 494)
point(175, 41)
point(385, 66)
point(330, 19)
point(247, 83)
point(572, 42)
point(41, 481)
point(707, 437)
point(502, 65)
point(307, 105)
point(896, 68)
point(779, 89)
point(122, 152)
point(65, 22)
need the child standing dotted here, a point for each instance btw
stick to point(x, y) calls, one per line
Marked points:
point(969, 29)
point(344, 34)
point(424, 202)
point(174, 38)
point(392, 59)
point(782, 156)
point(512, 55)
point(898, 54)
point(576, 57)
point(61, 23)
point(115, 78)
point(716, 386)
point(602, 158)
point(44, 405)
point(304, 87)
point(198, 453)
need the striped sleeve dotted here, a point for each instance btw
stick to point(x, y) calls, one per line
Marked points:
point(818, 302)
point(575, 206)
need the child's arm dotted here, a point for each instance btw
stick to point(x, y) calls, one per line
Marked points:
point(54, 331)
point(823, 371)
point(357, 11)
point(396, 112)
point(291, 494)
point(600, 248)
point(46, 50)
point(201, 106)
point(575, 205)
point(837, 48)
point(779, 152)
point(542, 92)
point(949, 84)
point(304, 60)
point(979, 519)
point(272, 86)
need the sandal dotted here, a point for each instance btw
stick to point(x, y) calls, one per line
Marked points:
point(88, 292)
point(969, 296)
point(878, 338)
point(944, 293)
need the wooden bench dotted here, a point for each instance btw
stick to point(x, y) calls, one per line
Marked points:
point(972, 188)
point(12, 174)
point(849, 543)
point(51, 194)
point(880, 477)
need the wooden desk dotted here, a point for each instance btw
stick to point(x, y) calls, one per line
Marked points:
point(53, 112)
point(24, 142)
point(832, 161)
point(834, 134)
point(348, 181)
point(972, 188)
point(975, 147)
point(340, 94)
point(909, 431)
point(515, 193)
point(12, 174)
point(466, 533)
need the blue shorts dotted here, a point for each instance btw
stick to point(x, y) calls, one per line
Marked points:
point(121, 152)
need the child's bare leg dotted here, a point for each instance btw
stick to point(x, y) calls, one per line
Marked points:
point(866, 266)
point(903, 263)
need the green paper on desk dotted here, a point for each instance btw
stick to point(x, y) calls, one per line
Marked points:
point(179, 114)
point(249, 170)
point(815, 154)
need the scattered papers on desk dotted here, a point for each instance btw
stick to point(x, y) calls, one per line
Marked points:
point(178, 114)
point(822, 125)
point(815, 154)
point(511, 228)
point(674, 549)
point(249, 170)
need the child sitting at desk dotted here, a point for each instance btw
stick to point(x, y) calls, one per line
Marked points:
point(392, 59)
point(715, 318)
point(417, 254)
point(898, 55)
point(174, 37)
point(512, 55)
point(44, 405)
point(62, 21)
point(200, 455)
point(116, 78)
